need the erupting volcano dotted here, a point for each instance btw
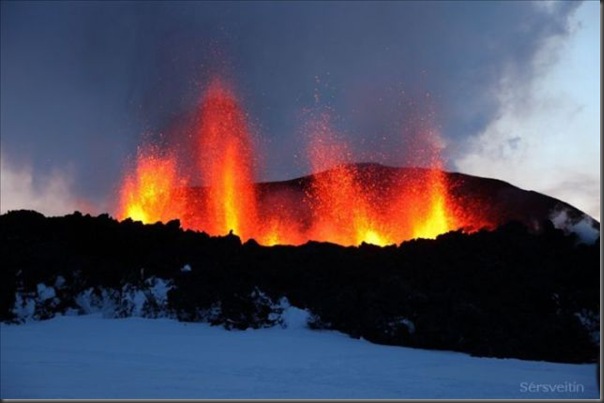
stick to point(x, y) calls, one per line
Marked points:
point(226, 166)
point(341, 203)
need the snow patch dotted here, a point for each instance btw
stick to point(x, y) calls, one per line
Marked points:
point(84, 301)
point(79, 357)
point(35, 305)
point(408, 324)
point(400, 325)
point(148, 300)
point(97, 300)
point(293, 317)
point(591, 321)
point(25, 307)
point(45, 293)
point(59, 282)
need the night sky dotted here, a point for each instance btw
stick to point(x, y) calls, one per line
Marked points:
point(512, 87)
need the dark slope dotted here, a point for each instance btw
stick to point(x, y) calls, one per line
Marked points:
point(493, 200)
point(501, 201)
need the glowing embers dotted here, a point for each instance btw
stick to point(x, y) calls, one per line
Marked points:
point(350, 208)
point(225, 158)
point(352, 204)
point(343, 214)
point(341, 211)
point(154, 191)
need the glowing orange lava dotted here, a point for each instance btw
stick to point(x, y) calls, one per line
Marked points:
point(437, 218)
point(342, 203)
point(153, 192)
point(225, 160)
point(349, 210)
point(342, 213)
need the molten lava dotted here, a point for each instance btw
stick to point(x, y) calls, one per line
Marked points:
point(342, 204)
point(154, 191)
point(342, 211)
point(226, 165)
point(350, 210)
point(437, 218)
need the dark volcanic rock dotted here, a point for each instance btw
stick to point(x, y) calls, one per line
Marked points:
point(510, 292)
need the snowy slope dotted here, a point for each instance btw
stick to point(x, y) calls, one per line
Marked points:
point(92, 357)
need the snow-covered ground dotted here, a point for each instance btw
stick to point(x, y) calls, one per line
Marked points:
point(92, 357)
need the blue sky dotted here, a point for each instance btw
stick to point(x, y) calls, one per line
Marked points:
point(513, 87)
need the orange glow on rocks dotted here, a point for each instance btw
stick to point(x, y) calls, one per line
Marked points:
point(342, 203)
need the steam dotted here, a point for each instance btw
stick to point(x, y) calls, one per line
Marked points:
point(50, 195)
point(584, 227)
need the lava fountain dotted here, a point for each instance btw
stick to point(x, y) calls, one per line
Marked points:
point(437, 219)
point(154, 191)
point(350, 209)
point(342, 203)
point(433, 212)
point(341, 209)
point(226, 163)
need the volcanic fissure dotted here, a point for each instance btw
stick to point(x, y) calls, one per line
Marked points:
point(341, 205)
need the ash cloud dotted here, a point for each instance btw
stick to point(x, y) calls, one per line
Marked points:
point(81, 82)
point(544, 137)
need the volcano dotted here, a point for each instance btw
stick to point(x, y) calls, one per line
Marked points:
point(205, 177)
point(479, 202)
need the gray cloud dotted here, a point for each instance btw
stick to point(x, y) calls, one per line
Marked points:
point(81, 82)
